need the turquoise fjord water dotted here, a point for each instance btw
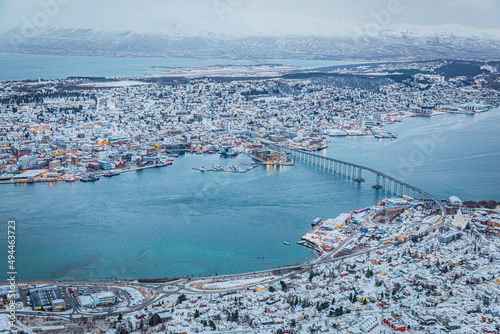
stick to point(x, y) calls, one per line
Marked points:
point(175, 221)
point(33, 66)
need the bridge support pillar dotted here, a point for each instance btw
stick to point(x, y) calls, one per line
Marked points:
point(359, 178)
point(378, 186)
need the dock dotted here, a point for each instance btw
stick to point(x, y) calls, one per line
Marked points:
point(100, 174)
point(223, 170)
point(326, 236)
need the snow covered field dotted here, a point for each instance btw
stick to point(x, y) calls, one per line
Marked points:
point(211, 285)
point(4, 324)
point(123, 83)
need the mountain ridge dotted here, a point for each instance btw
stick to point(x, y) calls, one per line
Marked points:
point(394, 42)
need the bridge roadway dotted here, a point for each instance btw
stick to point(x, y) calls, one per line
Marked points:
point(354, 171)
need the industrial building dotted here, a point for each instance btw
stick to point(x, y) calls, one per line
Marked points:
point(105, 298)
point(47, 298)
point(97, 299)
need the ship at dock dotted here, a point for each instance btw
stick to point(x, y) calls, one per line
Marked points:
point(229, 152)
point(381, 134)
point(89, 178)
point(111, 173)
point(5, 178)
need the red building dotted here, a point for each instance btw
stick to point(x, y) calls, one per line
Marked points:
point(395, 326)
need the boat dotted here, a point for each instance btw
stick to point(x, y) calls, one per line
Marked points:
point(5, 178)
point(316, 221)
point(89, 178)
point(70, 180)
point(286, 243)
point(321, 147)
point(229, 152)
point(232, 152)
point(111, 173)
point(335, 132)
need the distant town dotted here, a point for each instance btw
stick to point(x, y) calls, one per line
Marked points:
point(81, 129)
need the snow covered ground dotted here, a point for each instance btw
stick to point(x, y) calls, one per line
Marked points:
point(4, 324)
point(123, 83)
point(231, 284)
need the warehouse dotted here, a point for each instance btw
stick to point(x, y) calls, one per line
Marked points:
point(47, 298)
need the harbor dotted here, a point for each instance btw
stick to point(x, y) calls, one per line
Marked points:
point(302, 191)
point(43, 175)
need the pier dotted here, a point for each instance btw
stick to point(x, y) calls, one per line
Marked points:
point(355, 172)
point(223, 170)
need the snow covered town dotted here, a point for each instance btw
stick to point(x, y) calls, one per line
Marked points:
point(397, 266)
point(401, 265)
point(80, 128)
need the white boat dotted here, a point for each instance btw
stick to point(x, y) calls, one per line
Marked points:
point(335, 132)
point(217, 167)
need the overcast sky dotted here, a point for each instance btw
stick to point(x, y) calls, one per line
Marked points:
point(148, 15)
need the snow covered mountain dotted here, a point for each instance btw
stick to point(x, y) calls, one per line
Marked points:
point(264, 39)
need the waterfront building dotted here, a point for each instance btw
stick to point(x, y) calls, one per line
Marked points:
point(46, 298)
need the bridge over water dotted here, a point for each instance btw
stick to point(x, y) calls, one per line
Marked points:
point(355, 171)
